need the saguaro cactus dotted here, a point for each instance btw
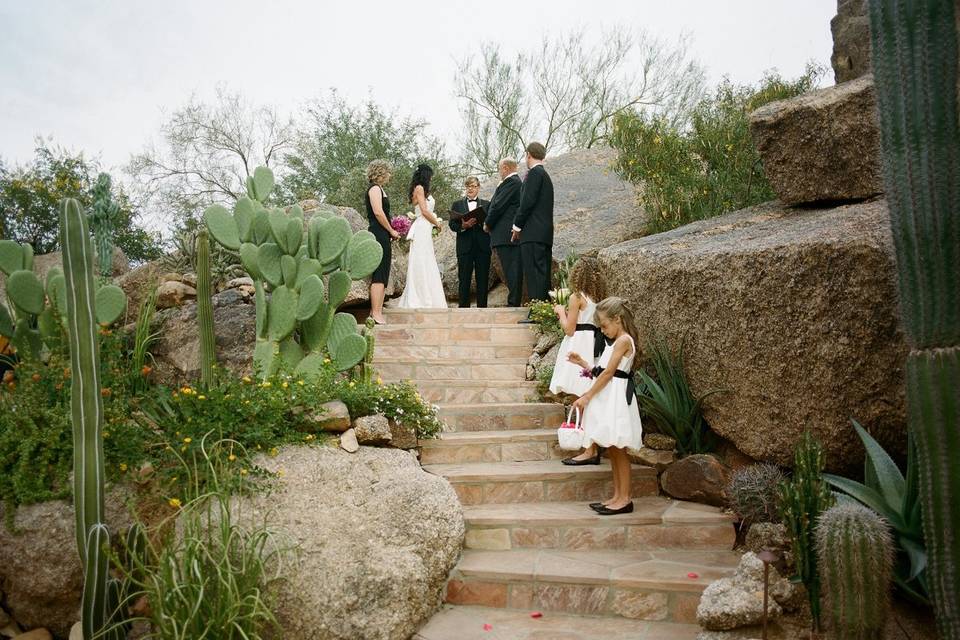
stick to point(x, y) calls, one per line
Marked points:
point(916, 72)
point(208, 355)
point(855, 556)
point(103, 214)
point(300, 320)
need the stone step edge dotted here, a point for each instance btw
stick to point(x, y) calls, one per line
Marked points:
point(413, 326)
point(448, 361)
point(467, 438)
point(526, 471)
point(475, 519)
point(504, 405)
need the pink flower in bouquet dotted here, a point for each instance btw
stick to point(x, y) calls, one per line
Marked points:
point(586, 373)
point(401, 224)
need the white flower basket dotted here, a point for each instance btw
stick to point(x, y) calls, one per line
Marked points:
point(570, 434)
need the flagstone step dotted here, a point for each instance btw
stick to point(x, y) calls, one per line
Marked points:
point(476, 391)
point(517, 445)
point(656, 585)
point(505, 416)
point(537, 481)
point(454, 316)
point(463, 334)
point(454, 351)
point(417, 369)
point(656, 523)
point(467, 623)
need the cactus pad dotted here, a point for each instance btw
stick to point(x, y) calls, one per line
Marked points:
point(265, 357)
point(344, 324)
point(349, 352)
point(288, 267)
point(334, 236)
point(290, 354)
point(339, 288)
point(248, 257)
point(261, 228)
point(6, 322)
point(11, 256)
point(26, 291)
point(111, 303)
point(262, 182)
point(310, 367)
point(268, 259)
point(311, 297)
point(222, 226)
point(363, 257)
point(282, 314)
point(243, 213)
point(294, 235)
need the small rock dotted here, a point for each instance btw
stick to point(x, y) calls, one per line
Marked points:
point(698, 477)
point(76, 632)
point(174, 294)
point(348, 441)
point(236, 283)
point(227, 297)
point(767, 535)
point(373, 430)
point(189, 279)
point(36, 634)
point(334, 418)
point(404, 437)
point(145, 472)
point(659, 460)
point(659, 442)
point(546, 342)
point(247, 291)
point(737, 601)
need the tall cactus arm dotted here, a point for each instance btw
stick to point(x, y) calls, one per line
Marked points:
point(208, 356)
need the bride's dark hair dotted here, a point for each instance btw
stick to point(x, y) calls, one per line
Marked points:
point(421, 177)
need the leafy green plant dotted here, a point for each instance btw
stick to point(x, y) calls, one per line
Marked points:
point(855, 556)
point(897, 499)
point(224, 264)
point(543, 315)
point(399, 401)
point(802, 499)
point(299, 323)
point(143, 339)
point(916, 73)
point(670, 403)
point(544, 375)
point(709, 168)
point(753, 491)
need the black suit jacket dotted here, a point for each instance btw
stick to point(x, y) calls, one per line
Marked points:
point(503, 209)
point(535, 216)
point(473, 240)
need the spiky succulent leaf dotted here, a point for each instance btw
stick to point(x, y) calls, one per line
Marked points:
point(261, 227)
point(344, 324)
point(294, 235)
point(290, 354)
point(266, 358)
point(222, 226)
point(311, 297)
point(263, 182)
point(111, 303)
point(349, 352)
point(316, 328)
point(339, 288)
point(248, 258)
point(243, 213)
point(268, 260)
point(282, 313)
point(335, 234)
point(11, 256)
point(288, 267)
point(363, 257)
point(26, 291)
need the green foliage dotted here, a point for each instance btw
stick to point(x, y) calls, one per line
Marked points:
point(915, 46)
point(369, 334)
point(271, 244)
point(331, 152)
point(224, 265)
point(544, 375)
point(30, 196)
point(143, 339)
point(897, 499)
point(401, 402)
point(753, 493)
point(208, 353)
point(855, 556)
point(206, 576)
point(802, 499)
point(667, 400)
point(545, 318)
point(707, 169)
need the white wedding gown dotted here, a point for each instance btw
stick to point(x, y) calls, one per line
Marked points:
point(424, 288)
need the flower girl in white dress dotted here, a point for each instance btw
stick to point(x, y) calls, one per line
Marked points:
point(424, 287)
point(611, 413)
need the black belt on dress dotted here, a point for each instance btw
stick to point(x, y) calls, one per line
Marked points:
point(631, 384)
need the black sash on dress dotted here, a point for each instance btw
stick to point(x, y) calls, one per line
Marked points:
point(631, 383)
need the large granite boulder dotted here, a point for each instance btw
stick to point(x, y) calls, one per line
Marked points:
point(791, 313)
point(376, 535)
point(697, 478)
point(40, 573)
point(851, 40)
point(593, 207)
point(823, 146)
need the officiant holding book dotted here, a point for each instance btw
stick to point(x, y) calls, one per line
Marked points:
point(467, 217)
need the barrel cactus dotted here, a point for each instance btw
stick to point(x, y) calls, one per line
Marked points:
point(916, 72)
point(308, 269)
point(855, 556)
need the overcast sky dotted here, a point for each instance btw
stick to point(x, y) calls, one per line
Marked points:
point(99, 76)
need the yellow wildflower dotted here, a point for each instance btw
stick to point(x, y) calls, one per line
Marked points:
point(188, 440)
point(351, 383)
point(243, 472)
point(123, 467)
point(106, 434)
point(284, 384)
point(231, 457)
point(273, 452)
point(246, 379)
point(280, 473)
point(174, 502)
point(379, 381)
point(201, 397)
point(300, 382)
point(326, 361)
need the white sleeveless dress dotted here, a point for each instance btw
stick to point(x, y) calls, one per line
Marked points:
point(424, 288)
point(608, 420)
point(566, 375)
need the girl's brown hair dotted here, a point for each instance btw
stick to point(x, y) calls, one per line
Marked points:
point(585, 279)
point(616, 309)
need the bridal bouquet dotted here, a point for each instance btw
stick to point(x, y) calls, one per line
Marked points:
point(436, 230)
point(401, 224)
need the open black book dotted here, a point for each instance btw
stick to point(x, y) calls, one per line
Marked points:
point(479, 214)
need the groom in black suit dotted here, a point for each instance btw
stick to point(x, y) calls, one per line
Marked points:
point(533, 225)
point(500, 215)
point(473, 245)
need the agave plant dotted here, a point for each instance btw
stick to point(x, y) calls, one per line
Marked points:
point(671, 404)
point(897, 499)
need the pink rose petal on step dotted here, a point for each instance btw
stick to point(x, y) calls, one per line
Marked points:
point(693, 576)
point(488, 627)
point(536, 614)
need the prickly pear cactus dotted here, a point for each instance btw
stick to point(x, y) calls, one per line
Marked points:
point(308, 268)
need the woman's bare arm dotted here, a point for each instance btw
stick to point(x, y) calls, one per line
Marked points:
point(421, 201)
point(376, 202)
point(620, 349)
point(570, 315)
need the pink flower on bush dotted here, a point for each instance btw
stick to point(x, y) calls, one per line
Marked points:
point(401, 224)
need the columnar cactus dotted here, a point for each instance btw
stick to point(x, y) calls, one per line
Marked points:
point(802, 499)
point(86, 406)
point(300, 322)
point(208, 355)
point(369, 334)
point(103, 214)
point(916, 73)
point(855, 556)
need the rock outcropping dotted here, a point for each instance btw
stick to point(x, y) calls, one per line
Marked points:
point(851, 40)
point(791, 313)
point(376, 535)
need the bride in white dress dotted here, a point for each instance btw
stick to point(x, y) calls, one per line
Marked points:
point(424, 288)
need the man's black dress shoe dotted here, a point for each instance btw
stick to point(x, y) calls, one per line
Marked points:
point(573, 462)
point(526, 321)
point(606, 511)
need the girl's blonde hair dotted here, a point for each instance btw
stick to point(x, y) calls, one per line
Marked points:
point(614, 308)
point(585, 278)
point(377, 171)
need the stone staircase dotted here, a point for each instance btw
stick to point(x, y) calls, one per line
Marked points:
point(532, 544)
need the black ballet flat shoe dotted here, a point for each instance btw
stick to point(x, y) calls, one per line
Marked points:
point(596, 506)
point(606, 511)
point(573, 462)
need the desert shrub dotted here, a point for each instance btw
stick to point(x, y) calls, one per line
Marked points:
point(709, 167)
point(753, 492)
point(543, 380)
point(542, 314)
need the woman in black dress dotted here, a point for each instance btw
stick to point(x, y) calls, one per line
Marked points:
point(378, 215)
